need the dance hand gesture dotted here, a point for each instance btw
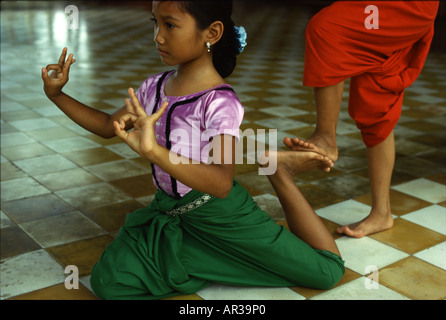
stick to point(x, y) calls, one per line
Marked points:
point(54, 82)
point(142, 138)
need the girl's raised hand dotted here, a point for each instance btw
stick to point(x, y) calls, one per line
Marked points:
point(142, 138)
point(54, 82)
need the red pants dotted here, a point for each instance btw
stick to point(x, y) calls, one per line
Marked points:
point(380, 62)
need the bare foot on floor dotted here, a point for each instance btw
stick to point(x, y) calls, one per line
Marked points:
point(315, 144)
point(372, 224)
point(295, 162)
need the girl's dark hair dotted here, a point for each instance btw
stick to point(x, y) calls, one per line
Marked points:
point(225, 51)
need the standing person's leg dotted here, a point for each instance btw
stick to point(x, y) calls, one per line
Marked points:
point(302, 220)
point(338, 46)
point(381, 160)
point(323, 140)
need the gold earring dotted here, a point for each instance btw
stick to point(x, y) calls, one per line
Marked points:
point(208, 45)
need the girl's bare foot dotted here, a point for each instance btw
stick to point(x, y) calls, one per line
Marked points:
point(371, 224)
point(292, 163)
point(315, 144)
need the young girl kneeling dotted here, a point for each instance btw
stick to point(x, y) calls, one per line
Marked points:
point(202, 226)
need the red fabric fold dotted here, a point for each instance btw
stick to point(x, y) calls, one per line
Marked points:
point(380, 62)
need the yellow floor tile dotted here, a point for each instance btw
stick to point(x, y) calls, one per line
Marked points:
point(409, 237)
point(83, 253)
point(415, 279)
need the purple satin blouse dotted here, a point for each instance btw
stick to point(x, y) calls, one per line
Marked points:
point(188, 123)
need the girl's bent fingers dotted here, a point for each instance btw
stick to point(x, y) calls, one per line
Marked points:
point(120, 132)
point(54, 67)
point(47, 77)
point(127, 117)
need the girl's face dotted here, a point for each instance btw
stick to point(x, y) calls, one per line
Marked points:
point(176, 35)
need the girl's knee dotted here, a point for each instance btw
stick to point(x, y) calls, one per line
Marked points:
point(332, 277)
point(96, 283)
point(330, 280)
point(101, 284)
point(330, 272)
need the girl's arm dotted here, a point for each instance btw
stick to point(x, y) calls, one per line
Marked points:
point(215, 178)
point(93, 120)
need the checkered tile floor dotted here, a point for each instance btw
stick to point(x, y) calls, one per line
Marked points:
point(66, 192)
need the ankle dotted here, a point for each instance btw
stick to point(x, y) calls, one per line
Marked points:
point(329, 137)
point(383, 215)
point(381, 210)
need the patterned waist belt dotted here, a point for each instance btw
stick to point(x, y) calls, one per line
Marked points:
point(190, 206)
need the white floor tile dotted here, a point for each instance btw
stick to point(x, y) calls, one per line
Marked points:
point(345, 212)
point(360, 289)
point(51, 111)
point(11, 105)
point(69, 124)
point(28, 272)
point(33, 124)
point(15, 139)
point(24, 96)
point(435, 255)
point(61, 228)
point(21, 188)
point(223, 292)
point(117, 170)
point(360, 254)
point(424, 189)
point(71, 144)
point(44, 164)
point(86, 282)
point(432, 217)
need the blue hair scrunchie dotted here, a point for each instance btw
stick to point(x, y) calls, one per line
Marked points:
point(241, 35)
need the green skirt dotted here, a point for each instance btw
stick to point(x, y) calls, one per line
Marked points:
point(180, 246)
